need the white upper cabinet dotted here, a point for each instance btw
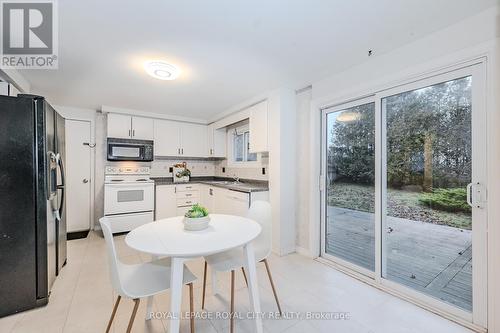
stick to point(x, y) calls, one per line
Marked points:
point(259, 128)
point(216, 142)
point(128, 127)
point(119, 126)
point(142, 128)
point(173, 138)
point(193, 140)
point(167, 138)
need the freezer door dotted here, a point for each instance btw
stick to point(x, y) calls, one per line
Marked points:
point(61, 191)
point(46, 195)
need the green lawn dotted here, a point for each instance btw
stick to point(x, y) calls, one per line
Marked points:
point(400, 203)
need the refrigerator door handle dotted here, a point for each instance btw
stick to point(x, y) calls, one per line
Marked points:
point(61, 186)
point(51, 176)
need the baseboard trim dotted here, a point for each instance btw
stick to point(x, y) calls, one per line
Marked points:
point(77, 235)
point(303, 251)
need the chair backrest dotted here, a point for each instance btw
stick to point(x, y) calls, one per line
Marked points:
point(114, 262)
point(260, 211)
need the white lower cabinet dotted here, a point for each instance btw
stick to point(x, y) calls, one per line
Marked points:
point(166, 202)
point(207, 196)
point(176, 200)
point(231, 202)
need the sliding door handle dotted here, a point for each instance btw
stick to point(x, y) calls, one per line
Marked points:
point(476, 195)
point(469, 195)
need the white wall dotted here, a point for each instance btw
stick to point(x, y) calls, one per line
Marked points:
point(470, 39)
point(282, 166)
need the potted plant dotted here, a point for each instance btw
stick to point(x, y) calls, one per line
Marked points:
point(181, 173)
point(196, 218)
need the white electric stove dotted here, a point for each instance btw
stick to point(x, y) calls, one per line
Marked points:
point(128, 197)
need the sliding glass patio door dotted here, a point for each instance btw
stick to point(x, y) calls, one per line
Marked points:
point(350, 178)
point(405, 197)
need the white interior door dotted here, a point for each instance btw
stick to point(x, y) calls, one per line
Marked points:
point(78, 174)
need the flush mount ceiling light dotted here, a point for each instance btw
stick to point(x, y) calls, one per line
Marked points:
point(161, 70)
point(348, 117)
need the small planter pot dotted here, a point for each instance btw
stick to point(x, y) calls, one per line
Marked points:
point(196, 224)
point(184, 179)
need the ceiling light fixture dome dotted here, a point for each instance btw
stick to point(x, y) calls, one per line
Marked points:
point(161, 70)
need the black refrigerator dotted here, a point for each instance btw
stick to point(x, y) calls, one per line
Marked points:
point(32, 203)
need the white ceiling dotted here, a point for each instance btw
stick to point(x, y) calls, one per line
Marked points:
point(228, 51)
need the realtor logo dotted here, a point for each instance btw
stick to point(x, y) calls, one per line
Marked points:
point(29, 34)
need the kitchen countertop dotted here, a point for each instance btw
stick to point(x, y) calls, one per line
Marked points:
point(245, 185)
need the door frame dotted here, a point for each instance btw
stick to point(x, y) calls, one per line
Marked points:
point(324, 114)
point(476, 68)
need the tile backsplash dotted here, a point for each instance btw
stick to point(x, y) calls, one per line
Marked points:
point(200, 168)
point(245, 173)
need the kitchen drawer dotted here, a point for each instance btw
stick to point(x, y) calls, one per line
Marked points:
point(186, 187)
point(188, 195)
point(235, 195)
point(127, 222)
point(181, 211)
point(186, 202)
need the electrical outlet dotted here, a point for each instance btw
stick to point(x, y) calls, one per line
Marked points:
point(223, 170)
point(263, 171)
point(170, 169)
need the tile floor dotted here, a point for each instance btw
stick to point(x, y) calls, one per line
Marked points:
point(82, 299)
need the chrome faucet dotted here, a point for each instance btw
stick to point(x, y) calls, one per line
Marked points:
point(236, 179)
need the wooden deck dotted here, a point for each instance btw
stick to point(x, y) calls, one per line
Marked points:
point(433, 259)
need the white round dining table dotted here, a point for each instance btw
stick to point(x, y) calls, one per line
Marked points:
point(167, 237)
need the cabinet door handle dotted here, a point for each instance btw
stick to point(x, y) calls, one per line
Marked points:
point(182, 150)
point(188, 194)
point(133, 132)
point(129, 133)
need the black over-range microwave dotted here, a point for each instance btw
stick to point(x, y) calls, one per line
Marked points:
point(130, 150)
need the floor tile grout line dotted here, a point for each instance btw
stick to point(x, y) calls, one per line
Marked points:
point(77, 280)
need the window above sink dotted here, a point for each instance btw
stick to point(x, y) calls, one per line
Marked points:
point(238, 143)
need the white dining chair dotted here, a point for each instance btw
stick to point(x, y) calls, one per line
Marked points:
point(140, 280)
point(232, 260)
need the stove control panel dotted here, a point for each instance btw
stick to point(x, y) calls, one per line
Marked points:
point(115, 170)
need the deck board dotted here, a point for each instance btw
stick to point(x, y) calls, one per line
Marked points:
point(433, 259)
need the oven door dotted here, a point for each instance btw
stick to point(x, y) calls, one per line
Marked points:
point(125, 198)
